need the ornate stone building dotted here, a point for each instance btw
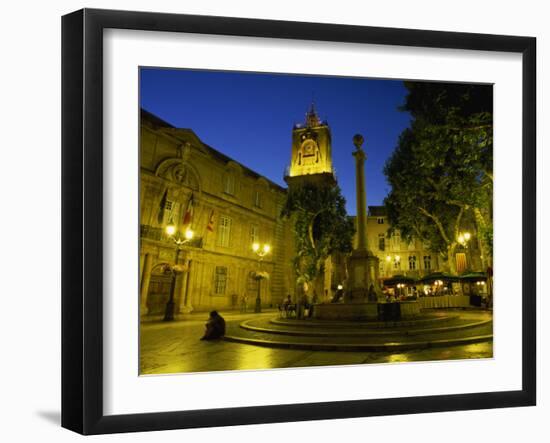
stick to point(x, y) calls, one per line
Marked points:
point(232, 207)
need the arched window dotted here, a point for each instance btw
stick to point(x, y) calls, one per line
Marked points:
point(220, 280)
point(224, 231)
point(397, 262)
point(229, 183)
point(427, 262)
point(258, 198)
point(232, 178)
point(381, 242)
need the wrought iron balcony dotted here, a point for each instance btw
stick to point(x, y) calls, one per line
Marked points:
point(158, 234)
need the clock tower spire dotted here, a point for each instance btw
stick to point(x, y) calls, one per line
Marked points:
point(311, 158)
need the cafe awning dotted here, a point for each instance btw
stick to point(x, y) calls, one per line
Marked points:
point(474, 276)
point(399, 279)
point(443, 276)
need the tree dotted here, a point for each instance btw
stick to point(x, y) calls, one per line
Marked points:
point(441, 170)
point(321, 228)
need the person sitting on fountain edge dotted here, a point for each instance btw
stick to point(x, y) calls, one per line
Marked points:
point(215, 327)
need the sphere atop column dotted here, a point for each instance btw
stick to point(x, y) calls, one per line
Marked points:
point(358, 140)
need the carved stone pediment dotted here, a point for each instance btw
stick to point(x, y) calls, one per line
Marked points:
point(180, 172)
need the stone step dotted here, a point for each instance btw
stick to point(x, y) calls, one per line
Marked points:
point(425, 319)
point(265, 326)
point(471, 328)
point(354, 347)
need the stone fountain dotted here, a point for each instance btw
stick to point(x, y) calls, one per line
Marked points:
point(362, 295)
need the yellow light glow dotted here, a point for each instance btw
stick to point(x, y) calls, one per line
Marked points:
point(397, 258)
point(388, 258)
point(461, 238)
point(340, 287)
point(189, 234)
point(255, 247)
point(170, 229)
point(467, 236)
point(267, 248)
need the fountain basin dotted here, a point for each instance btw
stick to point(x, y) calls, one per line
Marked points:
point(367, 311)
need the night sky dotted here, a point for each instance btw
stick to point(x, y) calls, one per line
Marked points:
point(249, 117)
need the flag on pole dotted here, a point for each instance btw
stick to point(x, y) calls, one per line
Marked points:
point(188, 216)
point(210, 226)
point(162, 206)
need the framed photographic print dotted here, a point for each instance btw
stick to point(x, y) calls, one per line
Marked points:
point(269, 221)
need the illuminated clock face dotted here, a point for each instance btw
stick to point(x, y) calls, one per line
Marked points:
point(309, 148)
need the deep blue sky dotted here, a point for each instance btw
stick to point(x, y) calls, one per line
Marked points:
point(249, 117)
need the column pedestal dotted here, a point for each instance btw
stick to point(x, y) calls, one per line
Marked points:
point(363, 278)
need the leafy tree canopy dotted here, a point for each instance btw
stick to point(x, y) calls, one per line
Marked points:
point(321, 227)
point(441, 170)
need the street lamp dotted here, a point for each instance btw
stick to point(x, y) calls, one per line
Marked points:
point(179, 240)
point(463, 238)
point(261, 252)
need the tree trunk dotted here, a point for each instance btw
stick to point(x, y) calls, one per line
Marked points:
point(481, 226)
point(316, 287)
point(451, 258)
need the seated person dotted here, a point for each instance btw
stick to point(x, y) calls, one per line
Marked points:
point(215, 327)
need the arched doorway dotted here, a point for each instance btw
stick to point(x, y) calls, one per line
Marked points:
point(159, 289)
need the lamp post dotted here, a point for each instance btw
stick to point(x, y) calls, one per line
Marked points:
point(463, 239)
point(261, 252)
point(179, 240)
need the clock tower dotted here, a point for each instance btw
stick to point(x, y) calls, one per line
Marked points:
point(311, 160)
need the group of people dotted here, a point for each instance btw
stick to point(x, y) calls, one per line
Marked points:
point(393, 297)
point(302, 308)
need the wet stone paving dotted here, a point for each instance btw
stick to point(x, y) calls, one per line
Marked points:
point(175, 347)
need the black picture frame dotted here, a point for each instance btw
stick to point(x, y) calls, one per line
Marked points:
point(82, 220)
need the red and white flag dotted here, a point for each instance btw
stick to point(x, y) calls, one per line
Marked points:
point(188, 216)
point(210, 226)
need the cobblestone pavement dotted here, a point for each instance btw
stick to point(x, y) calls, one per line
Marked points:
point(174, 347)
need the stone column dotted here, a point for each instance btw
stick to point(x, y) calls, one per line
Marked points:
point(360, 191)
point(363, 269)
point(145, 280)
point(141, 261)
point(184, 306)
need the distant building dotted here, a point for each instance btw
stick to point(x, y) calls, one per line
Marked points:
point(413, 259)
